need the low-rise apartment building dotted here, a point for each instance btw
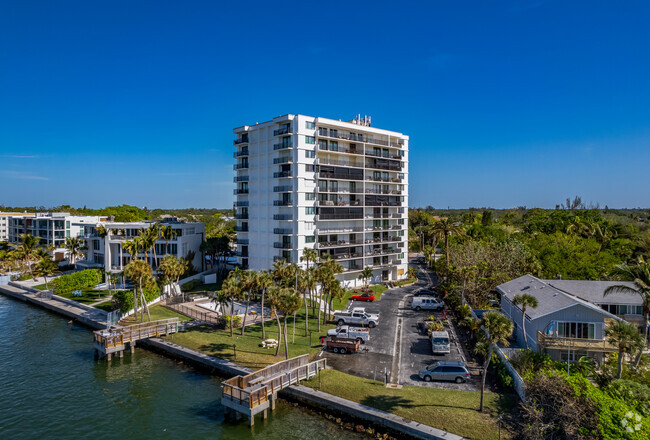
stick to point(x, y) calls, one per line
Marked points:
point(107, 250)
point(571, 316)
point(52, 227)
point(4, 223)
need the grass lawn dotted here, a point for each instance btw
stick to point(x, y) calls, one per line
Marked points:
point(213, 287)
point(107, 306)
point(42, 286)
point(249, 352)
point(449, 410)
point(157, 312)
point(343, 302)
point(88, 296)
point(405, 282)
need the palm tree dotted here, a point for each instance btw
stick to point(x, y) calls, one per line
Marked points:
point(444, 228)
point(232, 287)
point(309, 255)
point(26, 250)
point(264, 281)
point(248, 283)
point(220, 298)
point(132, 247)
point(153, 234)
point(140, 273)
point(524, 301)
point(289, 304)
point(626, 337)
point(498, 329)
point(275, 296)
point(309, 284)
point(167, 233)
point(102, 232)
point(44, 268)
point(171, 269)
point(74, 246)
point(640, 276)
point(365, 275)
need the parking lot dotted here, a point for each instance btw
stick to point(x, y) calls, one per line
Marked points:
point(396, 345)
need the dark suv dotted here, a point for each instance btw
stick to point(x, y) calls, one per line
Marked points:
point(445, 370)
point(426, 292)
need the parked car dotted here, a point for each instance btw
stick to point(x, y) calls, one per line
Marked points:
point(425, 292)
point(357, 316)
point(426, 303)
point(361, 334)
point(440, 342)
point(445, 370)
point(363, 297)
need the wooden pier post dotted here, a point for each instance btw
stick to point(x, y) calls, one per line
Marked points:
point(265, 414)
point(109, 356)
point(273, 397)
point(132, 344)
point(251, 420)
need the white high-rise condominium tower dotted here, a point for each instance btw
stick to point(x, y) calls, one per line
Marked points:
point(338, 187)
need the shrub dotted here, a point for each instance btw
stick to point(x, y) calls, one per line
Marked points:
point(236, 321)
point(190, 285)
point(634, 394)
point(77, 281)
point(124, 298)
point(503, 375)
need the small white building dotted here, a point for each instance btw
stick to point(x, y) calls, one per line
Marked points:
point(338, 187)
point(4, 223)
point(107, 251)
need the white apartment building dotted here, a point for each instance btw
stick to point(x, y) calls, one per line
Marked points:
point(4, 223)
point(311, 182)
point(107, 251)
point(52, 227)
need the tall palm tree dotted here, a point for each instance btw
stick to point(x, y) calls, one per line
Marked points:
point(498, 329)
point(289, 304)
point(74, 246)
point(132, 247)
point(443, 228)
point(249, 283)
point(220, 298)
point(309, 255)
point(365, 275)
point(153, 234)
point(26, 250)
point(232, 287)
point(102, 232)
point(167, 233)
point(524, 301)
point(264, 281)
point(626, 337)
point(275, 296)
point(140, 273)
point(309, 285)
point(170, 271)
point(640, 276)
point(44, 268)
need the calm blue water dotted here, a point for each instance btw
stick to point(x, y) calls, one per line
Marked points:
point(52, 388)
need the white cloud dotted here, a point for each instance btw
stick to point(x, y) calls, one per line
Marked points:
point(22, 175)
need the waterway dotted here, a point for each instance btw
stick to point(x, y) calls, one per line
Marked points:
point(52, 388)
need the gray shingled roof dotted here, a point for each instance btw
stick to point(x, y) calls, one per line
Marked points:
point(593, 291)
point(550, 298)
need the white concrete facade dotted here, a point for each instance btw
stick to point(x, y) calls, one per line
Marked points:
point(108, 252)
point(4, 223)
point(52, 227)
point(338, 187)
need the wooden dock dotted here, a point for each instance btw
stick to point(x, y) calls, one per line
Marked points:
point(257, 392)
point(115, 340)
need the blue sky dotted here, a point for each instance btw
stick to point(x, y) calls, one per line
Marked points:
point(506, 103)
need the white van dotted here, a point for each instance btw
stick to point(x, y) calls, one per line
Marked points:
point(440, 342)
point(426, 303)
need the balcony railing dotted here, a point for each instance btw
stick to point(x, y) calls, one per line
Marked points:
point(282, 231)
point(281, 174)
point(240, 191)
point(241, 229)
point(279, 245)
point(241, 141)
point(333, 203)
point(239, 166)
point(338, 176)
point(340, 230)
point(242, 241)
point(281, 131)
point(282, 188)
point(241, 216)
point(557, 342)
point(346, 163)
point(240, 179)
point(241, 203)
point(282, 203)
point(336, 216)
point(281, 146)
point(242, 152)
point(279, 160)
point(282, 217)
point(340, 243)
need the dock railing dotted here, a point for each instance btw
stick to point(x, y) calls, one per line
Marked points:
point(116, 337)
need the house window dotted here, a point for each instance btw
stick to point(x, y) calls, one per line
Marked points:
point(322, 144)
point(310, 125)
point(310, 210)
point(310, 154)
point(334, 146)
point(310, 239)
point(580, 330)
point(309, 168)
point(310, 139)
point(310, 196)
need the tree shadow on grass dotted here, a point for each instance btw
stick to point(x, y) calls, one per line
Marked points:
point(387, 403)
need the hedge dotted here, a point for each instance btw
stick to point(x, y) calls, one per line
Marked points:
point(77, 281)
point(124, 298)
point(190, 285)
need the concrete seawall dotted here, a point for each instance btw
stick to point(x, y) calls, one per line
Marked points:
point(96, 319)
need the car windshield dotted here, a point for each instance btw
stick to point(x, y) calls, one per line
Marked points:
point(367, 315)
point(441, 341)
point(432, 366)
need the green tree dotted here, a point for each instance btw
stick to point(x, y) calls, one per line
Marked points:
point(626, 337)
point(170, 271)
point(74, 246)
point(168, 233)
point(132, 247)
point(248, 284)
point(289, 303)
point(139, 272)
point(275, 296)
point(444, 228)
point(26, 250)
point(365, 275)
point(524, 301)
point(640, 276)
point(232, 287)
point(44, 268)
point(264, 281)
point(498, 329)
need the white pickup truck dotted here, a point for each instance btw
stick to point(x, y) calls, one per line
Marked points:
point(357, 316)
point(361, 334)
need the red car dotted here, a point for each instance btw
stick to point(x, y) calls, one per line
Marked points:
point(363, 297)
